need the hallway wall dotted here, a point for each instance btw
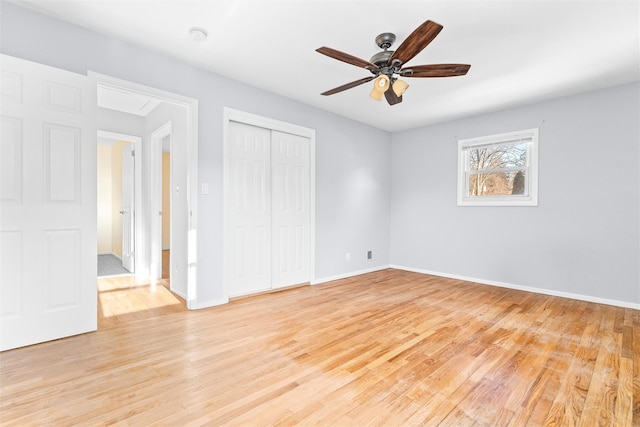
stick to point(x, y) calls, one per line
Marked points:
point(109, 196)
point(104, 197)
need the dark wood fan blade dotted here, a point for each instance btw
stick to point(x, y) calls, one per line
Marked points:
point(348, 86)
point(391, 96)
point(436, 70)
point(418, 40)
point(345, 57)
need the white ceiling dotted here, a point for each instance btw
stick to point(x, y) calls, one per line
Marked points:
point(520, 51)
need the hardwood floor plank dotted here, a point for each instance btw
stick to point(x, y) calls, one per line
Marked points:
point(624, 394)
point(635, 314)
point(385, 348)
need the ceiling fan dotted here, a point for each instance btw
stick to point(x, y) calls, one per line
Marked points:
point(387, 66)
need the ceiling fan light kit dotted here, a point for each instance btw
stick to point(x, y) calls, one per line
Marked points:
point(376, 94)
point(380, 86)
point(399, 87)
point(387, 66)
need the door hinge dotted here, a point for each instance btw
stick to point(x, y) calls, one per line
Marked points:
point(133, 153)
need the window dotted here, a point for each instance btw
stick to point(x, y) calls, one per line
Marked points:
point(499, 170)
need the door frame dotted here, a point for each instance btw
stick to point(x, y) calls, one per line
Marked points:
point(138, 258)
point(191, 147)
point(232, 115)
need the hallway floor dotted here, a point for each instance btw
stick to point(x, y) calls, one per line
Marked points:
point(123, 299)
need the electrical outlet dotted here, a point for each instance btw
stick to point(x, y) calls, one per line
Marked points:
point(369, 254)
point(348, 257)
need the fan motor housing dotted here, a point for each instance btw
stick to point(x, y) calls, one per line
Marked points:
point(381, 59)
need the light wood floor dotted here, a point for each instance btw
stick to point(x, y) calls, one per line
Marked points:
point(166, 266)
point(386, 348)
point(123, 299)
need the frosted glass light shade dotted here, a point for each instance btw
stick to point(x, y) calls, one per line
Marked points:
point(376, 94)
point(380, 86)
point(381, 83)
point(399, 87)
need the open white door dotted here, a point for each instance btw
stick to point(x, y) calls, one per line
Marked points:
point(48, 251)
point(127, 212)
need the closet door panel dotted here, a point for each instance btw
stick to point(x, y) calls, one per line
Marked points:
point(290, 209)
point(248, 209)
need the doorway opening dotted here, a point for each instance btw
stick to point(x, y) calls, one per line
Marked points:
point(125, 292)
point(166, 208)
point(119, 202)
point(126, 109)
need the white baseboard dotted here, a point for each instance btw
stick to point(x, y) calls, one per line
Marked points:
point(347, 275)
point(579, 297)
point(197, 305)
point(180, 294)
point(211, 303)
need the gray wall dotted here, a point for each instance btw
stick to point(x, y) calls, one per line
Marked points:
point(583, 237)
point(349, 217)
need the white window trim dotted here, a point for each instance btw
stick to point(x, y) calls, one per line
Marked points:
point(507, 200)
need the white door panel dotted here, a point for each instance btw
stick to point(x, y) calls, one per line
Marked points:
point(48, 204)
point(290, 209)
point(248, 215)
point(127, 211)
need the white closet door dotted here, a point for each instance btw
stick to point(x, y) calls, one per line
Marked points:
point(290, 209)
point(248, 209)
point(48, 230)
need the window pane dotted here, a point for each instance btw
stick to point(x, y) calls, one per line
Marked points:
point(498, 157)
point(499, 170)
point(497, 183)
